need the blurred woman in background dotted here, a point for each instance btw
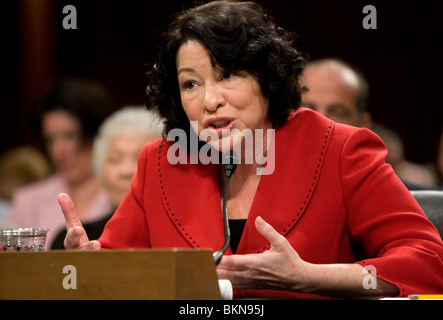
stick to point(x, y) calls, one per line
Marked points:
point(69, 116)
point(114, 157)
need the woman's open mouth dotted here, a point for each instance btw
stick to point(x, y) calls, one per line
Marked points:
point(220, 123)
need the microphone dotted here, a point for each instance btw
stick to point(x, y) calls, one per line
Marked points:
point(230, 161)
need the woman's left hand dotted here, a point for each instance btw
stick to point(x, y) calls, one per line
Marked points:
point(279, 268)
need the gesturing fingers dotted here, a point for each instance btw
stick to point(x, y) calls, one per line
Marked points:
point(278, 268)
point(73, 237)
point(76, 235)
point(68, 210)
point(91, 245)
point(237, 269)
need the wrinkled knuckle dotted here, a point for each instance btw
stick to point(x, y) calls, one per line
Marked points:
point(71, 239)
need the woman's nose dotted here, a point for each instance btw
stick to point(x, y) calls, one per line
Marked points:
point(213, 98)
point(127, 169)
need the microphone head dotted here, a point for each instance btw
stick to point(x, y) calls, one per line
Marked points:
point(230, 157)
point(230, 161)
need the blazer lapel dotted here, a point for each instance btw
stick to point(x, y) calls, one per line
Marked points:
point(282, 197)
point(191, 198)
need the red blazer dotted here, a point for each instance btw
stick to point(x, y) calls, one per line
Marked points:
point(331, 189)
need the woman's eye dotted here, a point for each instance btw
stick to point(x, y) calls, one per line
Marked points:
point(228, 75)
point(114, 159)
point(189, 85)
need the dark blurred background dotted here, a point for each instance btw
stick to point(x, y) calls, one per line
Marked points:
point(402, 58)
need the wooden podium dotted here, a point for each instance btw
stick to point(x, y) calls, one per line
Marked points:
point(180, 274)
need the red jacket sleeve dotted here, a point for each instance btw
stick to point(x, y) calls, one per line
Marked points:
point(128, 227)
point(386, 219)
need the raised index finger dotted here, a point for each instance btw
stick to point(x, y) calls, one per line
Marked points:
point(69, 212)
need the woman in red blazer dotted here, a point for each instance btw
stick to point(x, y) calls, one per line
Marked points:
point(331, 219)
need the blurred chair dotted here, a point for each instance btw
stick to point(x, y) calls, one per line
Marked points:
point(431, 201)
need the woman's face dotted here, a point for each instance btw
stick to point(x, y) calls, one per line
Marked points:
point(218, 100)
point(69, 154)
point(121, 164)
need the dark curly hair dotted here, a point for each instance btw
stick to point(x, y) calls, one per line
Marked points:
point(238, 36)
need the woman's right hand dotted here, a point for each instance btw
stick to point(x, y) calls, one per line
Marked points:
point(76, 237)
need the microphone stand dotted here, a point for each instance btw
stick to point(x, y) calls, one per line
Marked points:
point(230, 162)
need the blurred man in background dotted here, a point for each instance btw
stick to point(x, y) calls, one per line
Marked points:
point(340, 92)
point(337, 91)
